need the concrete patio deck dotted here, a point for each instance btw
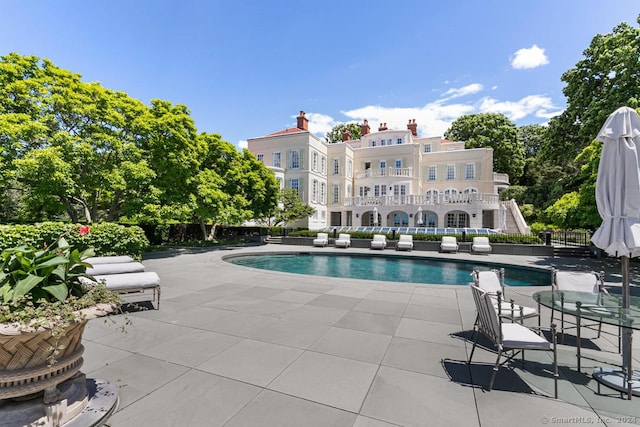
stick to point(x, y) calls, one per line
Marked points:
point(235, 346)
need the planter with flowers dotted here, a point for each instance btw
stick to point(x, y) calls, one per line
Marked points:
point(45, 303)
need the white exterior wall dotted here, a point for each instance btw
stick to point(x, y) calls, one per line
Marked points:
point(406, 187)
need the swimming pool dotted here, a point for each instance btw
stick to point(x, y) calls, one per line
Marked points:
point(392, 268)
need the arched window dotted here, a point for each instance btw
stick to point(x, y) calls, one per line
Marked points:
point(449, 194)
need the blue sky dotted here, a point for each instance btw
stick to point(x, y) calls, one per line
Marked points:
point(245, 68)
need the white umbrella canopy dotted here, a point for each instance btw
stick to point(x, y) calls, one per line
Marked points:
point(618, 200)
point(618, 185)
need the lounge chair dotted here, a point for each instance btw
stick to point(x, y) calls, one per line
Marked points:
point(379, 241)
point(508, 336)
point(343, 241)
point(449, 244)
point(492, 282)
point(322, 239)
point(591, 286)
point(123, 275)
point(481, 245)
point(405, 243)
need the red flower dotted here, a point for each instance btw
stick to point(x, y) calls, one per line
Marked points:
point(83, 230)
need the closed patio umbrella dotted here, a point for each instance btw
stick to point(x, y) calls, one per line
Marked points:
point(503, 218)
point(618, 200)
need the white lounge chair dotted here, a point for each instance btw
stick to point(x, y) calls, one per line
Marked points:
point(322, 239)
point(379, 241)
point(508, 336)
point(481, 245)
point(343, 241)
point(449, 244)
point(492, 282)
point(405, 243)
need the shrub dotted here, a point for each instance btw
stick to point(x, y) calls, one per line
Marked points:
point(105, 238)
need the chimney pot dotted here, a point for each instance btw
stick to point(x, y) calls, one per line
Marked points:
point(303, 122)
point(413, 127)
point(346, 136)
point(364, 127)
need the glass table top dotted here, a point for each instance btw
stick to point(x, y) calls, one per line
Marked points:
point(607, 309)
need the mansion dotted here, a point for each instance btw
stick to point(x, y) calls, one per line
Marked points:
point(389, 178)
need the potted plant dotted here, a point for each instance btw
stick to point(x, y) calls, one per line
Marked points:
point(46, 299)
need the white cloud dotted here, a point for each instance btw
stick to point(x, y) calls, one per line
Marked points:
point(435, 117)
point(320, 124)
point(242, 144)
point(537, 105)
point(466, 90)
point(529, 58)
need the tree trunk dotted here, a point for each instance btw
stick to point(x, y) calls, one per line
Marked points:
point(73, 216)
point(85, 207)
point(203, 228)
point(212, 233)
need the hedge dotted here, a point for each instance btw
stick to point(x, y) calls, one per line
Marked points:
point(105, 238)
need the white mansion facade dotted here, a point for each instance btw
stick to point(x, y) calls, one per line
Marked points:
point(389, 178)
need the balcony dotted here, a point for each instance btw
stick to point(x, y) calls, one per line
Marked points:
point(385, 172)
point(501, 178)
point(440, 199)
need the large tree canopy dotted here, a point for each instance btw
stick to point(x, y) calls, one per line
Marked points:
point(491, 130)
point(76, 149)
point(606, 78)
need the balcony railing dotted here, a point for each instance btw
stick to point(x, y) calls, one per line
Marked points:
point(501, 177)
point(470, 198)
point(374, 173)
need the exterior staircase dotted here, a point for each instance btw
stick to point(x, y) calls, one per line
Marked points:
point(572, 251)
point(276, 240)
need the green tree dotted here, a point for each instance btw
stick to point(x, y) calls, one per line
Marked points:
point(606, 78)
point(89, 133)
point(335, 134)
point(291, 208)
point(491, 130)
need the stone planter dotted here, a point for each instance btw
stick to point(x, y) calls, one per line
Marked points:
point(28, 379)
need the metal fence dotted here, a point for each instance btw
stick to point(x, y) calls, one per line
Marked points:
point(568, 238)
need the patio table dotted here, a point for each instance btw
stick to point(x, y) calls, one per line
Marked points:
point(609, 311)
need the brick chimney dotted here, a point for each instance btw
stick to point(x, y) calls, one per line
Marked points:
point(364, 127)
point(413, 127)
point(345, 134)
point(303, 122)
point(383, 126)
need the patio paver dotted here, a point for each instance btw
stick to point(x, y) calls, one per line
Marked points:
point(234, 346)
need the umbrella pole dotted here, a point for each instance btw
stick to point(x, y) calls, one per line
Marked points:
point(626, 336)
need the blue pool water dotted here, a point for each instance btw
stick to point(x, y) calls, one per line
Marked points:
point(388, 268)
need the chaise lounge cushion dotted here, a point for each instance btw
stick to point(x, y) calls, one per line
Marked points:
point(449, 244)
point(481, 244)
point(117, 268)
point(379, 241)
point(116, 259)
point(130, 281)
point(405, 242)
point(322, 239)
